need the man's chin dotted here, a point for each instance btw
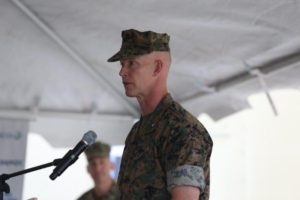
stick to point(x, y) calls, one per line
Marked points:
point(99, 181)
point(128, 94)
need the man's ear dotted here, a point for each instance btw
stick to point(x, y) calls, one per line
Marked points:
point(112, 165)
point(158, 67)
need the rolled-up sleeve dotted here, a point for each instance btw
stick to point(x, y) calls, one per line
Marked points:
point(186, 157)
point(187, 175)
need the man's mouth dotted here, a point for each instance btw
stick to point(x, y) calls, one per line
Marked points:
point(126, 83)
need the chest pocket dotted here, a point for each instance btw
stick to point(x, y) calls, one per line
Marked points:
point(140, 159)
point(143, 159)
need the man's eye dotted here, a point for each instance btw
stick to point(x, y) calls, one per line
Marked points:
point(130, 63)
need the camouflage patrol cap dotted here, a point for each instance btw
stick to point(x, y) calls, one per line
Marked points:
point(136, 43)
point(99, 149)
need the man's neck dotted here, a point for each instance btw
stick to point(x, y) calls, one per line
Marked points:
point(150, 102)
point(104, 187)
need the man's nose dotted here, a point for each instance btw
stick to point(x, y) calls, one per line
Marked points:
point(99, 168)
point(123, 71)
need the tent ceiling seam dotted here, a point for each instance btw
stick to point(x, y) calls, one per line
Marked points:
point(270, 67)
point(77, 57)
point(33, 115)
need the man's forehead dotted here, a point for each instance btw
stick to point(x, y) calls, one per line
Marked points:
point(139, 57)
point(98, 158)
point(132, 58)
point(135, 59)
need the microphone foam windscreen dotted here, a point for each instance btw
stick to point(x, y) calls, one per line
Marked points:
point(90, 137)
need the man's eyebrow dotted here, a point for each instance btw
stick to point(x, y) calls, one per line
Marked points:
point(136, 61)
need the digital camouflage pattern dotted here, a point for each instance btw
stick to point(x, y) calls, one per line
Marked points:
point(165, 148)
point(113, 194)
point(135, 43)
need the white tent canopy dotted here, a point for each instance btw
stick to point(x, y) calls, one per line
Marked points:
point(53, 68)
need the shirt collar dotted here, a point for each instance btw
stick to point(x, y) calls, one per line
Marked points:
point(151, 119)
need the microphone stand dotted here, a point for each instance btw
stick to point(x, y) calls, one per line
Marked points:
point(4, 187)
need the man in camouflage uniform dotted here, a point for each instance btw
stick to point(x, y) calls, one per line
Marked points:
point(167, 152)
point(99, 167)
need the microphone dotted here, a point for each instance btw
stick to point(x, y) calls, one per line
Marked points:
point(72, 155)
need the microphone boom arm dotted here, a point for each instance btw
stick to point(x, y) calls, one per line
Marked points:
point(4, 187)
point(61, 164)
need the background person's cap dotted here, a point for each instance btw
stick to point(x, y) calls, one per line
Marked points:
point(98, 149)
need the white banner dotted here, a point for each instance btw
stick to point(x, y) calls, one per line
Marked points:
point(13, 140)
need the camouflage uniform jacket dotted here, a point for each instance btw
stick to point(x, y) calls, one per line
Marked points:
point(113, 194)
point(166, 148)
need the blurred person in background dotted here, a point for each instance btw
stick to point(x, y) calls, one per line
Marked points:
point(99, 168)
